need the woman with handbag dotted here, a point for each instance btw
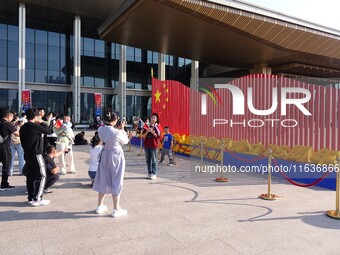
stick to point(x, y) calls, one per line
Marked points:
point(110, 174)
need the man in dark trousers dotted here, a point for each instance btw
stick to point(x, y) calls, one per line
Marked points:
point(31, 136)
point(6, 129)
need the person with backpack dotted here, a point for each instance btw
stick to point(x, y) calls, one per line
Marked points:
point(17, 148)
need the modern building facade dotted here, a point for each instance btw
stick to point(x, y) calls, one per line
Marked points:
point(65, 51)
point(62, 61)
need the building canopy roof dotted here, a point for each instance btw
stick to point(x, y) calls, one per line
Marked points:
point(221, 32)
point(226, 33)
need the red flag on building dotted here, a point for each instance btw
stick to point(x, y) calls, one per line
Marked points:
point(171, 100)
point(26, 99)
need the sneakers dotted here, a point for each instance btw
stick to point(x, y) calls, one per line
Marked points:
point(101, 209)
point(148, 176)
point(160, 162)
point(41, 202)
point(153, 177)
point(9, 187)
point(171, 164)
point(30, 202)
point(118, 213)
point(46, 191)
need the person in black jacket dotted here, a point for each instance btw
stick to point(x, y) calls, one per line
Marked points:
point(31, 136)
point(6, 129)
point(79, 139)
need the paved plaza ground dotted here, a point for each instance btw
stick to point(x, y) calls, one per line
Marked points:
point(176, 214)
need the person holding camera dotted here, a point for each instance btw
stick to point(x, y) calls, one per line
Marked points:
point(6, 130)
point(151, 134)
point(110, 173)
point(31, 136)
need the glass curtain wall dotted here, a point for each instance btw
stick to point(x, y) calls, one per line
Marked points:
point(46, 57)
point(9, 52)
point(49, 61)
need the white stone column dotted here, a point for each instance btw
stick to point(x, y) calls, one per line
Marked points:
point(22, 52)
point(161, 66)
point(122, 81)
point(194, 75)
point(76, 69)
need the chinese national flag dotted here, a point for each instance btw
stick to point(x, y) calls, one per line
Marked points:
point(171, 100)
point(58, 124)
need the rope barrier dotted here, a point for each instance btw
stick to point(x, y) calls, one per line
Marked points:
point(217, 155)
point(208, 157)
point(181, 147)
point(298, 184)
point(242, 159)
point(233, 154)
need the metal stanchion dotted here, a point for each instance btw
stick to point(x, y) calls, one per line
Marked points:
point(173, 151)
point(129, 146)
point(336, 213)
point(222, 178)
point(202, 162)
point(129, 150)
point(269, 196)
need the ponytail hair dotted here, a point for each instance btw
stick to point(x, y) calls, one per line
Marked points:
point(111, 116)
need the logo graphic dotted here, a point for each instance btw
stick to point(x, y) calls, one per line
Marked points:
point(211, 91)
point(239, 100)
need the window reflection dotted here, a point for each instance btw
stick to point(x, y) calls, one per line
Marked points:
point(57, 102)
point(8, 100)
point(13, 33)
point(53, 58)
point(3, 53)
point(53, 39)
point(40, 76)
point(29, 75)
point(41, 57)
point(12, 73)
point(41, 37)
point(3, 32)
point(3, 73)
point(30, 34)
point(49, 59)
point(13, 54)
point(30, 55)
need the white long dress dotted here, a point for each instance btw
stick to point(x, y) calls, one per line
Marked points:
point(110, 173)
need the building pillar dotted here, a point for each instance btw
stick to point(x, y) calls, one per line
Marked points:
point(76, 69)
point(194, 75)
point(122, 81)
point(261, 68)
point(22, 53)
point(161, 66)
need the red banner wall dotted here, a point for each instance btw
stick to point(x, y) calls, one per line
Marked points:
point(171, 100)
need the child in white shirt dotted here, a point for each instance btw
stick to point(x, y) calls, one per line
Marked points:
point(95, 150)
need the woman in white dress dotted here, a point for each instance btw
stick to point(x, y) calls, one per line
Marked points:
point(110, 174)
